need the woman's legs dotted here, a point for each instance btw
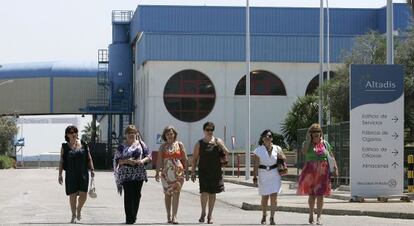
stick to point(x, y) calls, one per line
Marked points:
point(175, 202)
point(264, 201)
point(167, 201)
point(203, 201)
point(81, 201)
point(273, 206)
point(311, 202)
point(319, 205)
point(72, 202)
point(211, 202)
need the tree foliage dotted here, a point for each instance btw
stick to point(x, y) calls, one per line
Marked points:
point(371, 49)
point(303, 113)
point(8, 130)
point(87, 132)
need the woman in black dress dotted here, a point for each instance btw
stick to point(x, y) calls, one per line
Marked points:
point(208, 152)
point(75, 159)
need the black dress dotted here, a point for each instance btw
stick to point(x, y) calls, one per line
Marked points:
point(209, 168)
point(75, 164)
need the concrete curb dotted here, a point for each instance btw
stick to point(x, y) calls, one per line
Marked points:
point(247, 206)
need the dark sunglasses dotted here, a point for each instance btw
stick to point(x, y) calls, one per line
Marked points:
point(72, 132)
point(268, 136)
point(209, 130)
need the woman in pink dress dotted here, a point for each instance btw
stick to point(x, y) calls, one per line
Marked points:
point(172, 162)
point(314, 179)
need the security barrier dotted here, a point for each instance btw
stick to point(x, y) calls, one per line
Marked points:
point(410, 168)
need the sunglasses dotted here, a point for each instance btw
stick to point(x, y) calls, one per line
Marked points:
point(209, 130)
point(269, 136)
point(72, 132)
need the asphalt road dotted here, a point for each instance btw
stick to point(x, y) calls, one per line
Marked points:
point(33, 197)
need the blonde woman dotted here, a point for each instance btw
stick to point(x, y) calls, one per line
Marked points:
point(129, 170)
point(172, 162)
point(314, 179)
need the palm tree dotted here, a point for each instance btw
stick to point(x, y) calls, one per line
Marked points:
point(87, 132)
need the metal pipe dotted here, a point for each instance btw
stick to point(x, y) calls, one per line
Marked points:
point(390, 29)
point(321, 58)
point(247, 170)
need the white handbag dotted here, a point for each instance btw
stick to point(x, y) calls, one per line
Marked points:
point(92, 189)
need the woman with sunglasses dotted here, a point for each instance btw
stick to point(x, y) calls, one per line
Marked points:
point(207, 154)
point(75, 159)
point(265, 166)
point(172, 162)
point(314, 179)
point(130, 173)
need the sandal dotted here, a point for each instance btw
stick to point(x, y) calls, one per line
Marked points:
point(209, 220)
point(311, 219)
point(272, 221)
point(73, 220)
point(318, 221)
point(263, 221)
point(201, 220)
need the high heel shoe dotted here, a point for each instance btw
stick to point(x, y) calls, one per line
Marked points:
point(272, 221)
point(263, 221)
point(169, 221)
point(73, 220)
point(209, 220)
point(318, 221)
point(201, 220)
point(311, 220)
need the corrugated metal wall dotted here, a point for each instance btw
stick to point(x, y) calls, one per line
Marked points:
point(278, 34)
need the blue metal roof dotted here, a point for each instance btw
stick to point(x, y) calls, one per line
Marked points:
point(278, 34)
point(49, 69)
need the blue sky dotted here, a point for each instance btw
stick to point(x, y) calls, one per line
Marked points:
point(49, 30)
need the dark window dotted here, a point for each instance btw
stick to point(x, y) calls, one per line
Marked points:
point(189, 95)
point(314, 83)
point(261, 83)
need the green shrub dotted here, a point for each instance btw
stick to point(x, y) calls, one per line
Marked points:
point(6, 162)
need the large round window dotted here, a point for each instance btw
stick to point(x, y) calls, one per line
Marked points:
point(189, 95)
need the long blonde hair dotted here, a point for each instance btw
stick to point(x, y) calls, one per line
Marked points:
point(308, 140)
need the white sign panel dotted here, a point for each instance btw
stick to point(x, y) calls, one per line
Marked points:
point(377, 126)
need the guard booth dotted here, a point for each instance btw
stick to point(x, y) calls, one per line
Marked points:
point(102, 158)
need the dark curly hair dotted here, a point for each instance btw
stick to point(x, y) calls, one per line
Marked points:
point(264, 134)
point(70, 129)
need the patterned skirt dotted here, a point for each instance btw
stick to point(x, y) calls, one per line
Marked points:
point(172, 176)
point(314, 179)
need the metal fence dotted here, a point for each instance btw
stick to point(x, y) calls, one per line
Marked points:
point(338, 137)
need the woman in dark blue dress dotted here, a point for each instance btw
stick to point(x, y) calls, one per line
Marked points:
point(75, 159)
point(207, 155)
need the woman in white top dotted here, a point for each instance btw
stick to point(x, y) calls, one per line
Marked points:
point(265, 158)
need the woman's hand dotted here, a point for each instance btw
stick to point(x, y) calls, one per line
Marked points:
point(255, 180)
point(193, 177)
point(92, 173)
point(157, 177)
point(60, 179)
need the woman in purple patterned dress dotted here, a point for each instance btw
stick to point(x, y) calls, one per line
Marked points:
point(129, 170)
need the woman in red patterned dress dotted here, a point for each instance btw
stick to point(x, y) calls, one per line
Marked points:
point(172, 162)
point(314, 179)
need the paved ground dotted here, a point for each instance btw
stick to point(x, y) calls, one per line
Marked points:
point(33, 197)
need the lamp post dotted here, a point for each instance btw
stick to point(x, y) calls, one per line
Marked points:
point(321, 58)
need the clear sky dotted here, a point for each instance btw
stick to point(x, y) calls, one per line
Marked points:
point(49, 30)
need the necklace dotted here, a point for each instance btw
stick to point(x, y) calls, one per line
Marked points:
point(169, 147)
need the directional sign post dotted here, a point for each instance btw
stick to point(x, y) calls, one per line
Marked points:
point(377, 125)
